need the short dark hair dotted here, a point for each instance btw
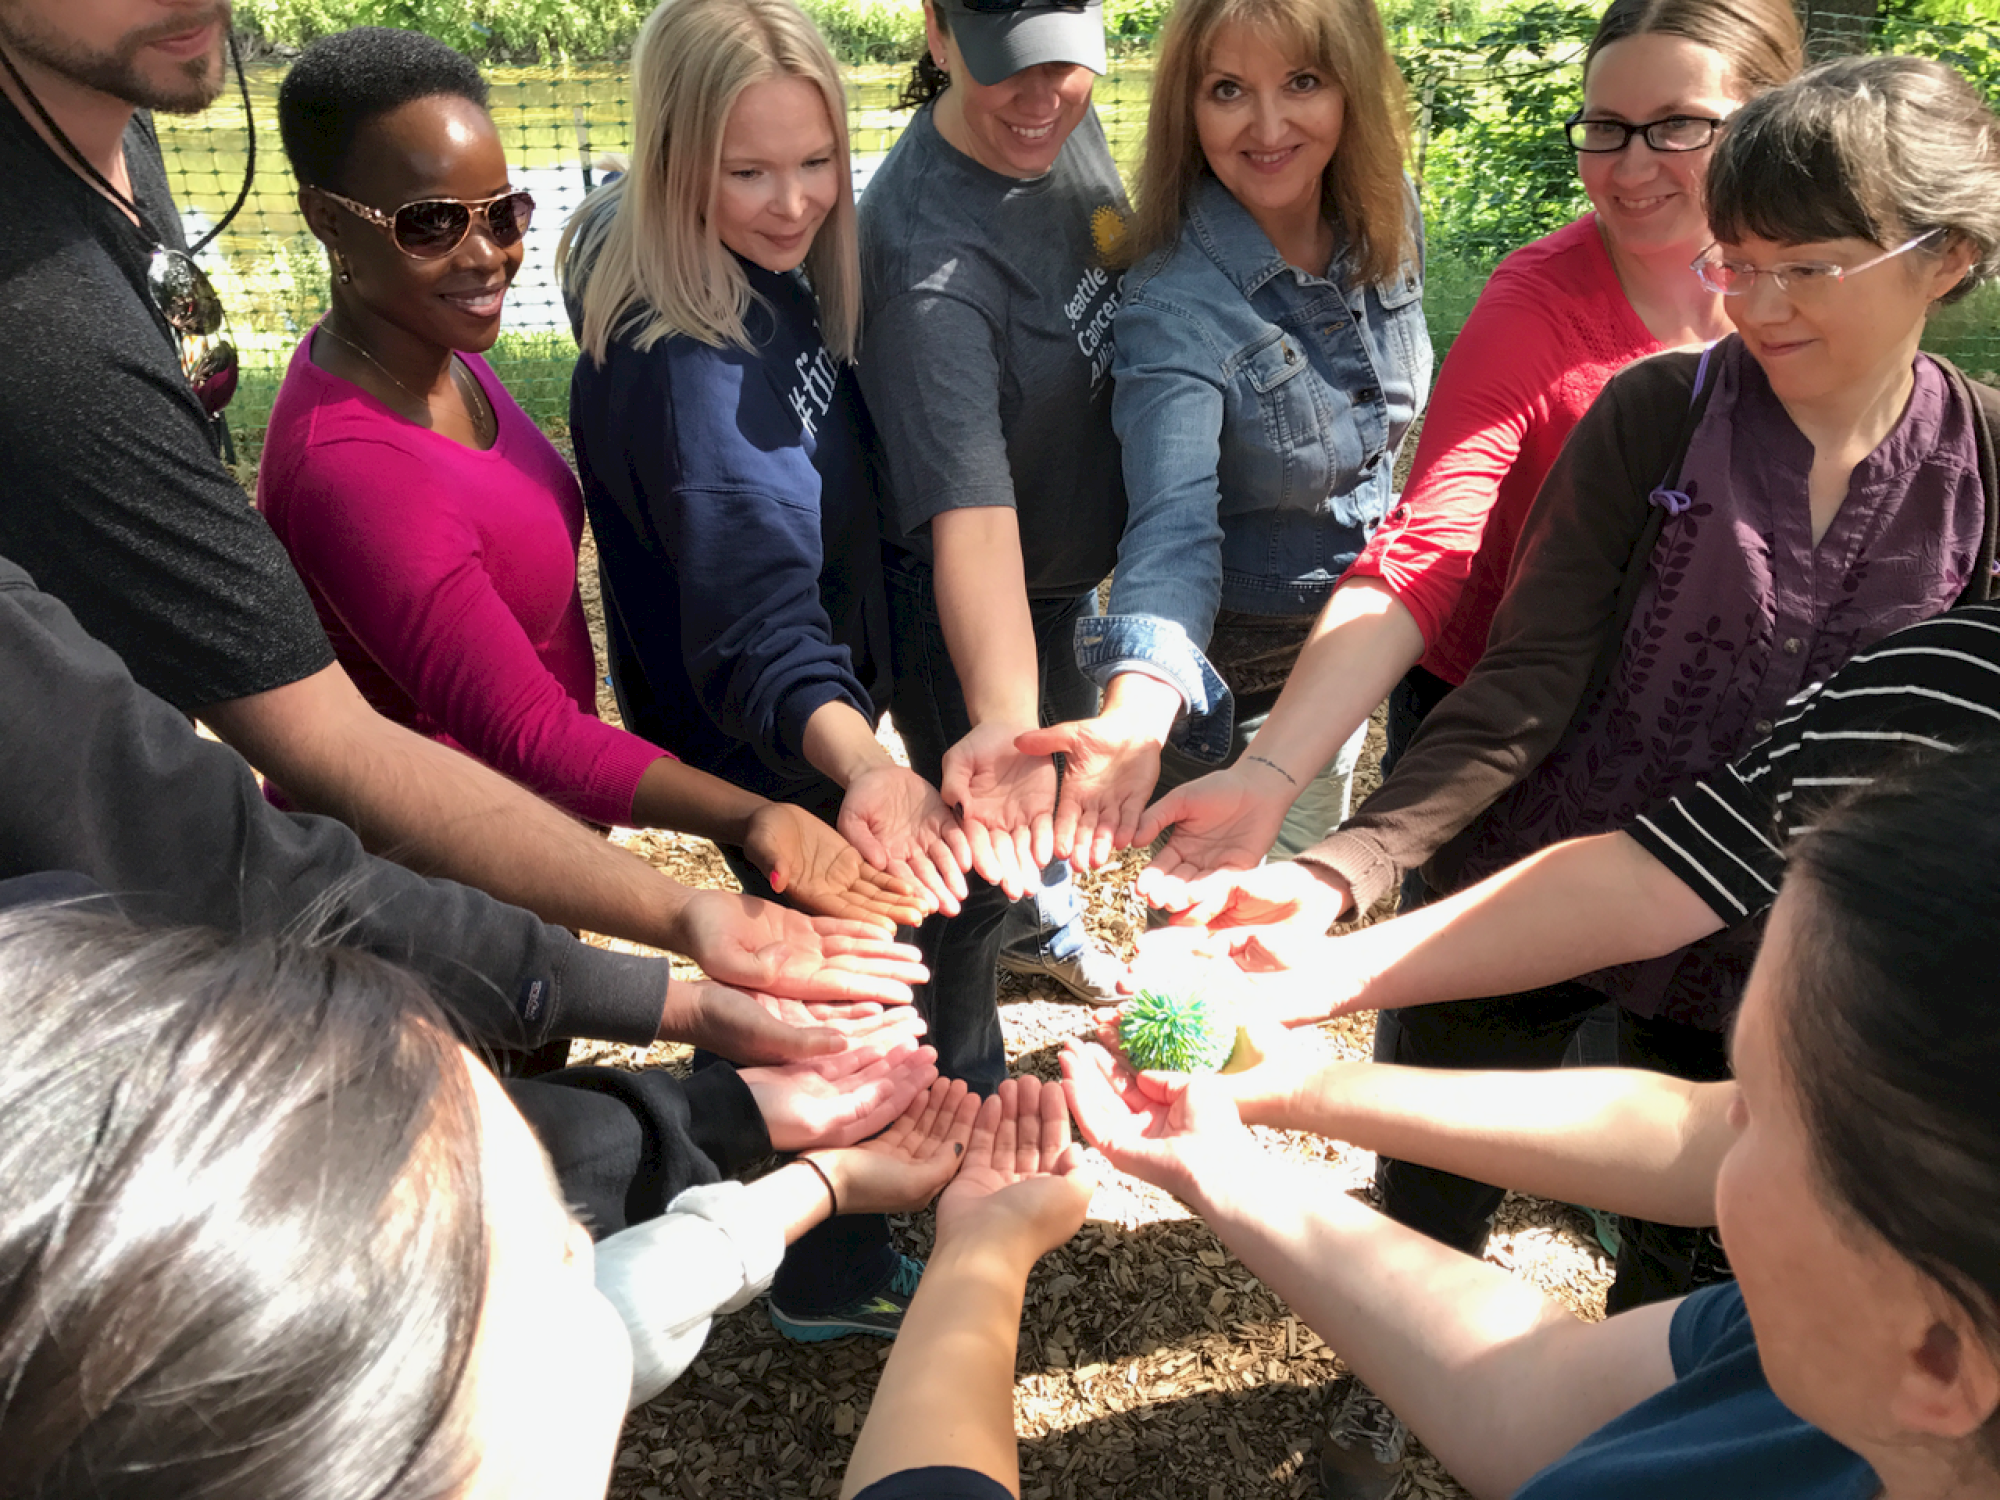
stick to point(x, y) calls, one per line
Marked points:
point(341, 82)
point(1870, 148)
point(242, 1244)
point(1891, 1034)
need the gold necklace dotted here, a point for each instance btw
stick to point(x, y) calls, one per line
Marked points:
point(473, 413)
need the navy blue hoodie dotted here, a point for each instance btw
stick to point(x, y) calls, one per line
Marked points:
point(734, 500)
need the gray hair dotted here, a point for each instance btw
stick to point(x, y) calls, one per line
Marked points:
point(1872, 148)
point(242, 1245)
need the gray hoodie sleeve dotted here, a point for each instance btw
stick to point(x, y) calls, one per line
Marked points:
point(101, 777)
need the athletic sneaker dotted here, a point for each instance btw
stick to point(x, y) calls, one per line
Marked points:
point(1089, 974)
point(879, 1316)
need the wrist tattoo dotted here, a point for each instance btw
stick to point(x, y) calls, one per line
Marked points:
point(1265, 760)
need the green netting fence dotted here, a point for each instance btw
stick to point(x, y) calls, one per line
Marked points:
point(1493, 169)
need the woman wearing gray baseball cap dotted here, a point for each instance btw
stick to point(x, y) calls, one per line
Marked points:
point(987, 310)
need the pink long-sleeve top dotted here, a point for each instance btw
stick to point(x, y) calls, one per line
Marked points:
point(1550, 328)
point(446, 579)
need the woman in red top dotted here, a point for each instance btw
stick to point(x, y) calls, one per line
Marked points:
point(434, 525)
point(1557, 319)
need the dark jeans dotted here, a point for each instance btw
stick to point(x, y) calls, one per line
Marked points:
point(841, 1260)
point(961, 1000)
point(1530, 1030)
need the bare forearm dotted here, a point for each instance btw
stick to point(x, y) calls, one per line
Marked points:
point(965, 1320)
point(443, 813)
point(1617, 1138)
point(672, 794)
point(1362, 644)
point(841, 744)
point(1469, 1356)
point(982, 597)
point(1582, 905)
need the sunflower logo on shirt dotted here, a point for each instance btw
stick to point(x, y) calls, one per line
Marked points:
point(1107, 232)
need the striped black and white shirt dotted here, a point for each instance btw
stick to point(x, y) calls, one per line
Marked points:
point(1934, 686)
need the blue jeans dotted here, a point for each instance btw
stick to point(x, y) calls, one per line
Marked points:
point(961, 1001)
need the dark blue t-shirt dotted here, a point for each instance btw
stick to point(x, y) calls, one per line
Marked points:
point(1717, 1430)
point(733, 495)
point(937, 1483)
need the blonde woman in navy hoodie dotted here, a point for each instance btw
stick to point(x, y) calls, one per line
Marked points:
point(725, 460)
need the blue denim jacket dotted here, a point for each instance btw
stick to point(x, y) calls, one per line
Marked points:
point(1259, 410)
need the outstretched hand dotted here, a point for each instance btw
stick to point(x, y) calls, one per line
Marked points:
point(1226, 820)
point(759, 945)
point(843, 1098)
point(898, 821)
point(1023, 1180)
point(1110, 767)
point(822, 872)
point(1175, 1138)
point(903, 1168)
point(1006, 803)
point(747, 1027)
point(1303, 899)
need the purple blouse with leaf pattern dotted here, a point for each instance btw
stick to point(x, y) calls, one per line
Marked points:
point(1740, 612)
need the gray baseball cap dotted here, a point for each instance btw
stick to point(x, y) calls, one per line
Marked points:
point(998, 39)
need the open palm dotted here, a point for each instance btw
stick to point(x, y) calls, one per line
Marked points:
point(1021, 1173)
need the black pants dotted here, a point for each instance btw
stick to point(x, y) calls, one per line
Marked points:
point(1527, 1031)
point(844, 1259)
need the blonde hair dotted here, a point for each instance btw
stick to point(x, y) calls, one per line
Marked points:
point(644, 248)
point(1363, 190)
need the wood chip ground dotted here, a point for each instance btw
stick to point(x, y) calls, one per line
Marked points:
point(1152, 1365)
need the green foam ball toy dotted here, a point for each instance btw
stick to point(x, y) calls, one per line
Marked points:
point(1167, 1031)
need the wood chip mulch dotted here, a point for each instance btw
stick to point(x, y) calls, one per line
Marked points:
point(1152, 1365)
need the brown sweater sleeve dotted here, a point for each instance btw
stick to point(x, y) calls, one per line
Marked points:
point(1554, 624)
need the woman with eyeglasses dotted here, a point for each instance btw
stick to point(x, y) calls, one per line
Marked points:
point(1723, 529)
point(1553, 323)
point(435, 526)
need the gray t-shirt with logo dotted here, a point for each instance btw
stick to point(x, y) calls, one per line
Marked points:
point(986, 348)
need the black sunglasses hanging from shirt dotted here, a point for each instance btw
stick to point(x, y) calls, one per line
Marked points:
point(180, 289)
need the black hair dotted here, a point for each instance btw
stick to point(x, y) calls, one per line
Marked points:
point(341, 82)
point(1890, 1032)
point(1870, 148)
point(927, 79)
point(242, 1243)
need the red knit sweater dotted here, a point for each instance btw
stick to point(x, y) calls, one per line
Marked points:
point(1550, 328)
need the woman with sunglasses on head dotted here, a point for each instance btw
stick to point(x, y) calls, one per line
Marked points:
point(1553, 323)
point(1723, 529)
point(435, 526)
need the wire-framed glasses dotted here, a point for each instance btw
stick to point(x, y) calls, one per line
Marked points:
point(1668, 133)
point(1801, 280)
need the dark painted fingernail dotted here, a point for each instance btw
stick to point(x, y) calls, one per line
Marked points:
point(957, 1148)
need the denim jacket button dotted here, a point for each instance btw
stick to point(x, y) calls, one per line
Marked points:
point(1366, 393)
point(1291, 358)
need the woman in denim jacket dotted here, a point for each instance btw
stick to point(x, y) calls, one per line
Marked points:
point(1271, 354)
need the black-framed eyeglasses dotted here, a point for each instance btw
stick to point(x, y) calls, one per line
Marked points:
point(1668, 133)
point(432, 227)
point(186, 298)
